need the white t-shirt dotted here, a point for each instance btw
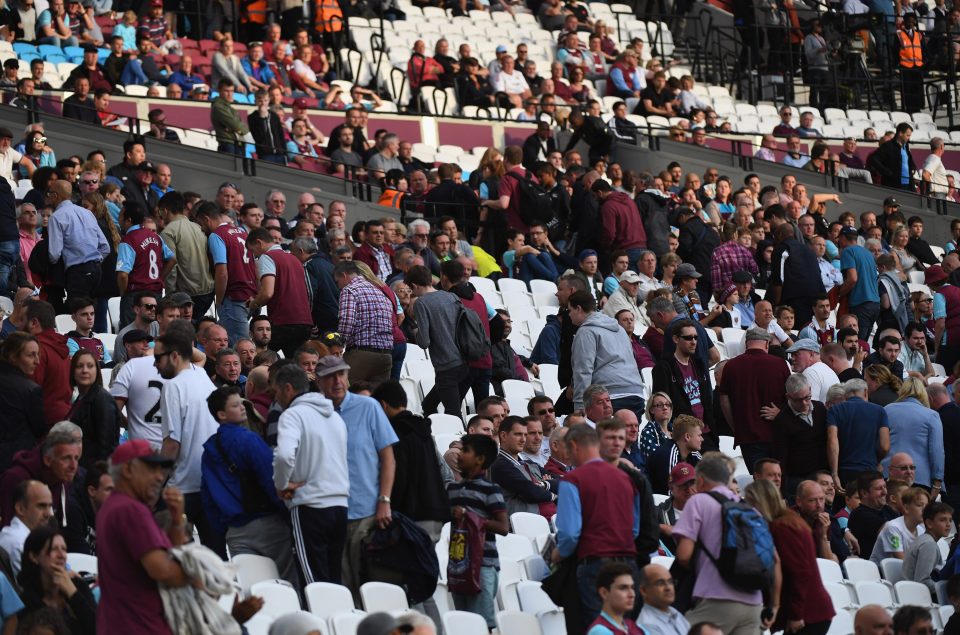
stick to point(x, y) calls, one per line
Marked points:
point(512, 84)
point(9, 159)
point(775, 330)
point(938, 174)
point(821, 377)
point(140, 384)
point(186, 420)
point(894, 537)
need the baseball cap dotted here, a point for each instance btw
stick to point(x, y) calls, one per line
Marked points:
point(629, 276)
point(136, 335)
point(181, 298)
point(138, 449)
point(330, 364)
point(586, 253)
point(156, 3)
point(849, 232)
point(686, 270)
point(682, 473)
point(147, 166)
point(501, 48)
point(805, 344)
point(891, 201)
point(934, 274)
point(300, 102)
point(741, 277)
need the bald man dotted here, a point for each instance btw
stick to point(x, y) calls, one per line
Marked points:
point(902, 468)
point(658, 616)
point(74, 234)
point(632, 450)
point(872, 619)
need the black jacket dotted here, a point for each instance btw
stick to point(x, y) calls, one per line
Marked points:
point(656, 221)
point(269, 139)
point(402, 554)
point(324, 292)
point(84, 111)
point(801, 274)
point(648, 539)
point(531, 149)
point(886, 162)
point(97, 415)
point(450, 198)
point(667, 378)
point(662, 462)
point(8, 213)
point(920, 249)
point(80, 613)
point(22, 422)
point(950, 417)
point(697, 242)
point(146, 199)
point(418, 490)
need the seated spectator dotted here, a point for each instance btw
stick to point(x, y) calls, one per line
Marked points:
point(82, 510)
point(474, 89)
point(226, 65)
point(689, 100)
point(899, 534)
point(511, 82)
point(785, 128)
point(923, 560)
point(387, 156)
point(887, 355)
point(525, 262)
point(507, 364)
point(260, 74)
point(795, 155)
point(683, 447)
point(423, 70)
point(873, 512)
point(299, 147)
point(80, 104)
point(813, 507)
point(33, 508)
point(184, 77)
point(806, 129)
point(657, 99)
point(158, 126)
point(53, 26)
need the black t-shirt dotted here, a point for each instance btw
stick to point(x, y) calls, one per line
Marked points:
point(865, 523)
point(657, 100)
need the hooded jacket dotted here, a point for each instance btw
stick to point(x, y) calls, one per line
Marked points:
point(621, 227)
point(618, 301)
point(53, 375)
point(652, 205)
point(418, 489)
point(312, 447)
point(602, 354)
point(28, 464)
point(21, 413)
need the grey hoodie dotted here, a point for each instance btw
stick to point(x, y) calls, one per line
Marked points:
point(602, 354)
point(312, 447)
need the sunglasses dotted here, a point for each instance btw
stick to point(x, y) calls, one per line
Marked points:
point(89, 182)
point(688, 338)
point(545, 411)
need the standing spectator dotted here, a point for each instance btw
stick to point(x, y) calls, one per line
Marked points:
point(372, 467)
point(192, 266)
point(21, 402)
point(187, 424)
point(597, 358)
point(282, 281)
point(597, 516)
point(455, 280)
point(805, 605)
point(234, 271)
point(366, 324)
point(858, 434)
point(869, 517)
point(918, 431)
point(933, 173)
point(237, 486)
point(74, 234)
point(322, 289)
point(734, 611)
point(799, 432)
point(683, 376)
point(226, 122)
point(859, 281)
point(805, 359)
point(729, 258)
point(437, 320)
point(892, 160)
point(52, 372)
point(946, 304)
point(696, 246)
point(742, 408)
point(143, 260)
point(267, 130)
point(949, 412)
point(310, 473)
point(911, 44)
point(817, 54)
point(134, 553)
point(622, 227)
point(375, 252)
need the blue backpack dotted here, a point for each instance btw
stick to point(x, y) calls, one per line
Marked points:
point(746, 558)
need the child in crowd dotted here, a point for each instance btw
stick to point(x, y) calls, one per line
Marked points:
point(923, 561)
point(898, 534)
point(615, 586)
point(852, 501)
point(127, 29)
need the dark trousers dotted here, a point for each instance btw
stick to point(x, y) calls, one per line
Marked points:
point(235, 149)
point(82, 280)
point(818, 628)
point(753, 452)
point(948, 356)
point(399, 354)
point(288, 338)
point(319, 537)
point(279, 159)
point(201, 304)
point(867, 314)
point(445, 391)
point(477, 379)
point(193, 507)
point(587, 572)
point(911, 90)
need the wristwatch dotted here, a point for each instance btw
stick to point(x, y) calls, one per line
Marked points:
point(383, 499)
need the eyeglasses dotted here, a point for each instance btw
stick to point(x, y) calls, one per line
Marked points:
point(545, 411)
point(421, 235)
point(89, 181)
point(159, 356)
point(905, 468)
point(688, 338)
point(662, 405)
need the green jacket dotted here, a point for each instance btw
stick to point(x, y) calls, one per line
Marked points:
point(226, 121)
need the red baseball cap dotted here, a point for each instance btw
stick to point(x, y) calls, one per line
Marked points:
point(682, 473)
point(300, 102)
point(138, 449)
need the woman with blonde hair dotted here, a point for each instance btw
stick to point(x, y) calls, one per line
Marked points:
point(108, 287)
point(659, 424)
point(399, 339)
point(916, 430)
point(882, 386)
point(805, 606)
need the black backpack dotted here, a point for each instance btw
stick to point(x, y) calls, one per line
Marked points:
point(472, 340)
point(536, 204)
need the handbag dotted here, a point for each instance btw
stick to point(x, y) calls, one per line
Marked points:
point(466, 555)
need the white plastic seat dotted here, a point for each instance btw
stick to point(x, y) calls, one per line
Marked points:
point(512, 285)
point(252, 568)
point(529, 525)
point(483, 285)
point(543, 286)
point(278, 599)
point(514, 547)
point(464, 623)
point(82, 562)
point(259, 624)
point(842, 624)
point(510, 622)
point(507, 597)
point(517, 394)
point(876, 593)
point(346, 623)
point(830, 571)
point(380, 596)
point(893, 570)
point(534, 600)
point(65, 324)
point(325, 599)
point(445, 424)
point(839, 596)
point(535, 567)
point(733, 340)
point(113, 308)
point(861, 570)
point(910, 592)
point(664, 561)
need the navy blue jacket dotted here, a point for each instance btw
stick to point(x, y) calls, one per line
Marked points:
point(323, 290)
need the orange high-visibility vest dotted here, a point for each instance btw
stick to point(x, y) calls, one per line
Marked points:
point(391, 198)
point(911, 53)
point(254, 12)
point(327, 16)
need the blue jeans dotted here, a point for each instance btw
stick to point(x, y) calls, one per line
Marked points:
point(230, 148)
point(634, 403)
point(587, 584)
point(634, 256)
point(133, 74)
point(483, 604)
point(399, 353)
point(101, 316)
point(9, 255)
point(867, 314)
point(234, 317)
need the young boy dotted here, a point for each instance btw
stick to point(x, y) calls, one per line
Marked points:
point(615, 586)
point(898, 534)
point(84, 315)
point(894, 489)
point(478, 495)
point(852, 501)
point(237, 487)
point(923, 557)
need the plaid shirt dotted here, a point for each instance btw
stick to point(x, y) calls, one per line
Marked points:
point(366, 316)
point(154, 29)
point(383, 263)
point(729, 258)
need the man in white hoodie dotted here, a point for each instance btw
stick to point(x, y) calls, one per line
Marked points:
point(310, 473)
point(602, 354)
